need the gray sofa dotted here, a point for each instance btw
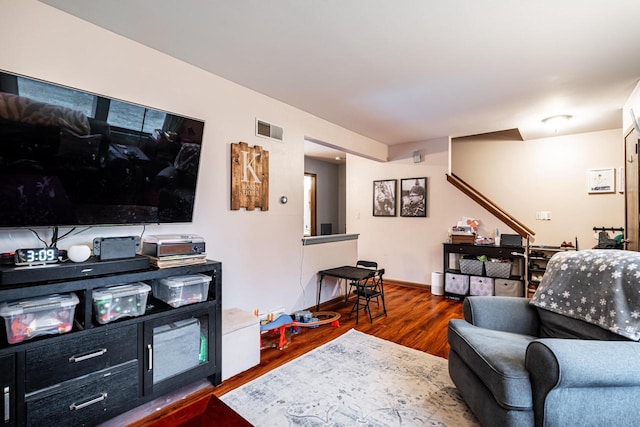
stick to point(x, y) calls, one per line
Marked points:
point(520, 364)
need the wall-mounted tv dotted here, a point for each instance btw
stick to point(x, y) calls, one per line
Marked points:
point(69, 158)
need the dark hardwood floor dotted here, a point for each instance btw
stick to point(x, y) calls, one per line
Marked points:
point(416, 319)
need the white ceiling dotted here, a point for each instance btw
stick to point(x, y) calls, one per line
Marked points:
point(405, 70)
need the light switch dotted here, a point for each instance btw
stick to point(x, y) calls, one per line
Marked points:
point(543, 215)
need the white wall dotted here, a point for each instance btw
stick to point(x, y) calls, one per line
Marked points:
point(632, 103)
point(314, 258)
point(261, 252)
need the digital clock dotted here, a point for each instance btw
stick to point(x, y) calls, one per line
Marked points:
point(36, 256)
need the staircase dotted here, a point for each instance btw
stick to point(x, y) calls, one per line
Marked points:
point(489, 205)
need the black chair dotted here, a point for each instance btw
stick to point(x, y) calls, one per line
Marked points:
point(371, 265)
point(367, 290)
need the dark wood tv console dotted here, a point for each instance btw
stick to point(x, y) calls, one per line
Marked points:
point(97, 371)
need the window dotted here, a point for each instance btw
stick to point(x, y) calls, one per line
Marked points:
point(58, 95)
point(118, 113)
point(134, 117)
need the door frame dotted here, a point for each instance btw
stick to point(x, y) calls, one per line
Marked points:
point(631, 187)
point(312, 202)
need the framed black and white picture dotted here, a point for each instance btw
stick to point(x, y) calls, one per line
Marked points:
point(384, 197)
point(413, 201)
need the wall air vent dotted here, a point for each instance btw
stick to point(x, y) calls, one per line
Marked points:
point(268, 130)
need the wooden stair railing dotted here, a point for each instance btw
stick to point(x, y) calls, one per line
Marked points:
point(489, 205)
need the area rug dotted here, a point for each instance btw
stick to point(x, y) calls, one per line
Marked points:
point(354, 380)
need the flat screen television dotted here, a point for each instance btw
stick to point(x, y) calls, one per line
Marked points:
point(72, 158)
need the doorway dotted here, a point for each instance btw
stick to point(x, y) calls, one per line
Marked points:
point(329, 166)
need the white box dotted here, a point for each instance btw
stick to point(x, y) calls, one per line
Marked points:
point(240, 341)
point(480, 285)
point(509, 288)
point(456, 284)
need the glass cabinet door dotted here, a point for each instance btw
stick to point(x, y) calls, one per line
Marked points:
point(177, 348)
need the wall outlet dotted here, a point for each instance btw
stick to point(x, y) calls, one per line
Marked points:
point(543, 215)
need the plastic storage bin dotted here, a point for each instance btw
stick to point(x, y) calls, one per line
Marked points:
point(182, 290)
point(45, 315)
point(115, 302)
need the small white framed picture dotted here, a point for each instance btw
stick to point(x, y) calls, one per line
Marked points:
point(602, 180)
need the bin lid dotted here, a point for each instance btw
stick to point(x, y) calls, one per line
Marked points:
point(120, 291)
point(180, 281)
point(28, 305)
point(236, 318)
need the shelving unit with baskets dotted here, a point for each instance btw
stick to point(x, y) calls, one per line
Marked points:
point(466, 275)
point(537, 259)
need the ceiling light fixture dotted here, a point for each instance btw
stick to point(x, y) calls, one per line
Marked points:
point(557, 121)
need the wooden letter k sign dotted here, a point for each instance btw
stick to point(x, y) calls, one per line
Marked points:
point(249, 177)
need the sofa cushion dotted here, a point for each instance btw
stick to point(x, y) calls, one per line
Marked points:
point(554, 325)
point(497, 358)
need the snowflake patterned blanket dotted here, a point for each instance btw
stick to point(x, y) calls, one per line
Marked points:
point(598, 286)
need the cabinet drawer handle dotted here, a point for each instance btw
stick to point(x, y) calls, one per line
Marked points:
point(99, 398)
point(7, 405)
point(75, 359)
point(150, 353)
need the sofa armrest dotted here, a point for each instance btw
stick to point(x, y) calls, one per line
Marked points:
point(508, 314)
point(596, 381)
point(572, 363)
